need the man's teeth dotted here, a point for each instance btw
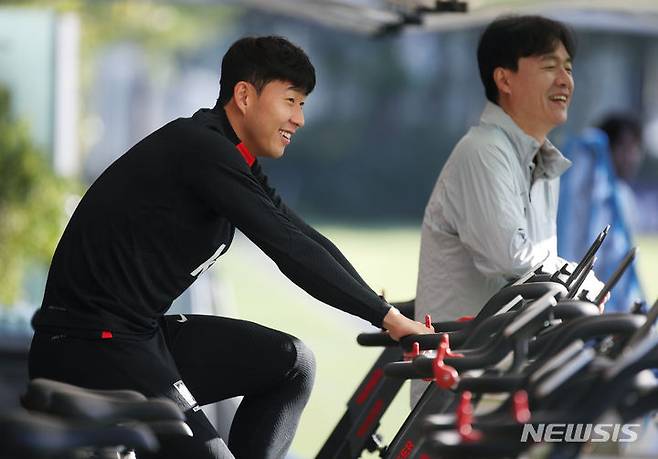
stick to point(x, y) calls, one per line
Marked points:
point(560, 98)
point(286, 134)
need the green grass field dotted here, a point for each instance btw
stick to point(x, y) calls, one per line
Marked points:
point(388, 259)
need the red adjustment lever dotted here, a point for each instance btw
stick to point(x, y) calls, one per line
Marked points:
point(520, 407)
point(465, 318)
point(465, 419)
point(445, 376)
point(415, 352)
point(428, 321)
point(446, 338)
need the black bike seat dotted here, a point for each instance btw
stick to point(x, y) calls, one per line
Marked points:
point(34, 435)
point(40, 391)
point(92, 407)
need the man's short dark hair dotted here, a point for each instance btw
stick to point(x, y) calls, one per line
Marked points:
point(615, 124)
point(261, 60)
point(509, 38)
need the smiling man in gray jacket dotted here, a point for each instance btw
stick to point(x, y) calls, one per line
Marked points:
point(492, 214)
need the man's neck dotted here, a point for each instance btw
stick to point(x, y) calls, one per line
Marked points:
point(234, 118)
point(538, 133)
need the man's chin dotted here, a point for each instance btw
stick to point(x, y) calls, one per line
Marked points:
point(271, 153)
point(277, 154)
point(559, 119)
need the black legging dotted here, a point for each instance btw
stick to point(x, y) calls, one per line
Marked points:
point(217, 358)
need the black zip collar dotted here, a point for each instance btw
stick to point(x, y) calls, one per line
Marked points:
point(216, 119)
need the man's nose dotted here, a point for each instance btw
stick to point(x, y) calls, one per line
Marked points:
point(297, 117)
point(565, 79)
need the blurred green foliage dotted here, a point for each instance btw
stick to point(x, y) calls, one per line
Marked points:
point(163, 28)
point(31, 203)
point(32, 214)
point(159, 27)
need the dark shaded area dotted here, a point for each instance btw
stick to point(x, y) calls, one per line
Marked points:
point(13, 369)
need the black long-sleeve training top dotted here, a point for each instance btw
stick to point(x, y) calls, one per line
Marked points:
point(161, 215)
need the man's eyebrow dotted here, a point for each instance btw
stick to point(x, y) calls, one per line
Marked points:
point(297, 89)
point(553, 57)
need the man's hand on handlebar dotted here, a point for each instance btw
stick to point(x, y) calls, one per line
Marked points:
point(398, 325)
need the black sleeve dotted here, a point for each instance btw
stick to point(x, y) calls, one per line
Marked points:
point(303, 226)
point(217, 174)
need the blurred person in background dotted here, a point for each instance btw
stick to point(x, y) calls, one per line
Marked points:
point(624, 133)
point(596, 192)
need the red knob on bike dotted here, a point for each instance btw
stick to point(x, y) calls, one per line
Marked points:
point(415, 351)
point(445, 338)
point(465, 318)
point(520, 407)
point(445, 376)
point(464, 419)
point(428, 321)
point(464, 413)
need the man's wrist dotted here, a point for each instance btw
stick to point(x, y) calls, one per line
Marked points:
point(392, 316)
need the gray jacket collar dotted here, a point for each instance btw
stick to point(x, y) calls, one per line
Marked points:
point(550, 164)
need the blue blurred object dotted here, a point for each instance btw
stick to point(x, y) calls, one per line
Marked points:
point(590, 199)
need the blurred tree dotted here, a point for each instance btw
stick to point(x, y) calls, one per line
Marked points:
point(31, 203)
point(164, 31)
point(162, 27)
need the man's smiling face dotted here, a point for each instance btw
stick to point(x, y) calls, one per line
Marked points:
point(540, 90)
point(272, 118)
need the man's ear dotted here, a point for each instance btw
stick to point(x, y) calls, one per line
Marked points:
point(241, 95)
point(501, 78)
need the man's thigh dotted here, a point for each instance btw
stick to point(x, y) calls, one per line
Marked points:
point(219, 357)
point(142, 365)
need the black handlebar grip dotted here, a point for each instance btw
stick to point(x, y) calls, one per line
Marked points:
point(376, 339)
point(451, 325)
point(424, 366)
point(492, 384)
point(401, 370)
point(425, 342)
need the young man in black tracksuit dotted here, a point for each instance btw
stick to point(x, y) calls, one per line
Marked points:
point(160, 216)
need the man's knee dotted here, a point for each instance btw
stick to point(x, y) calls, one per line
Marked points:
point(302, 368)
